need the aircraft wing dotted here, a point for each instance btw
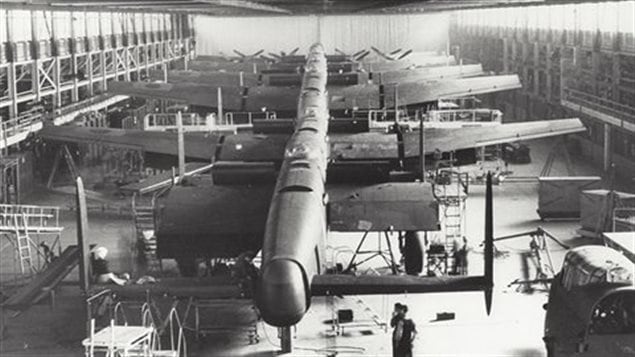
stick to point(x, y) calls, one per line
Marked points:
point(346, 284)
point(199, 146)
point(401, 206)
point(203, 65)
point(191, 93)
point(210, 220)
point(234, 98)
point(381, 146)
point(428, 73)
point(408, 93)
point(230, 79)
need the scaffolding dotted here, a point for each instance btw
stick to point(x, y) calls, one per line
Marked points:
point(27, 229)
point(450, 188)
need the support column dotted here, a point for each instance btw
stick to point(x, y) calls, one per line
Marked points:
point(89, 59)
point(607, 147)
point(12, 77)
point(75, 90)
point(35, 72)
point(505, 55)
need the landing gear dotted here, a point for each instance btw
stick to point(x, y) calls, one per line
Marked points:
point(286, 339)
point(187, 266)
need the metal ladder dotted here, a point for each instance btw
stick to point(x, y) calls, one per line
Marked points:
point(23, 242)
point(144, 222)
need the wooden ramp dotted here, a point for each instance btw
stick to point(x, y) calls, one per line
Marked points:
point(43, 283)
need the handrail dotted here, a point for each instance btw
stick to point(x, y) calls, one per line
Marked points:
point(624, 112)
point(469, 115)
point(34, 216)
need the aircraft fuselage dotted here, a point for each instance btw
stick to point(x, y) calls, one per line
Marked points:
point(295, 231)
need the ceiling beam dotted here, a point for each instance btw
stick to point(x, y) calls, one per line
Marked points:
point(243, 4)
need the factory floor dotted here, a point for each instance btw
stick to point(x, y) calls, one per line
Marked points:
point(514, 327)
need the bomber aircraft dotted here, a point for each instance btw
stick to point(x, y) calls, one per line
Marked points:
point(247, 79)
point(281, 193)
point(341, 98)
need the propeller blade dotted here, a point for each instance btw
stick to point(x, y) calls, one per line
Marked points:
point(267, 58)
point(239, 53)
point(405, 54)
point(274, 55)
point(488, 252)
point(363, 50)
point(363, 55)
point(259, 52)
point(341, 52)
point(381, 53)
point(295, 50)
point(395, 52)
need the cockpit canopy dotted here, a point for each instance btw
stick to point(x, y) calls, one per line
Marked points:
point(595, 264)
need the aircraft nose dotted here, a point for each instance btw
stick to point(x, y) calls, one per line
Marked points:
point(282, 293)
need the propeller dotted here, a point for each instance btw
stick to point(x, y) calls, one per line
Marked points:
point(240, 54)
point(395, 52)
point(257, 53)
point(295, 50)
point(275, 55)
point(380, 53)
point(342, 52)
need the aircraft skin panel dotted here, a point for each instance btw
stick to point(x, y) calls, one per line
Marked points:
point(344, 284)
point(199, 146)
point(211, 220)
point(397, 206)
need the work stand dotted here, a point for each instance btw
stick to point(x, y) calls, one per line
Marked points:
point(540, 255)
point(385, 253)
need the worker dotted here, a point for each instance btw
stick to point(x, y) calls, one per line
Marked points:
point(404, 332)
point(101, 271)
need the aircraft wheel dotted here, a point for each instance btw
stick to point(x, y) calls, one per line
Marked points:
point(187, 266)
point(413, 254)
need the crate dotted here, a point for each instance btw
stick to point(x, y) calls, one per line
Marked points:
point(43, 49)
point(559, 197)
point(106, 42)
point(20, 51)
point(62, 47)
point(93, 44)
point(596, 208)
point(79, 44)
point(4, 56)
point(117, 41)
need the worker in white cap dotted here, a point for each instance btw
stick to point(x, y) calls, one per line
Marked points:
point(102, 273)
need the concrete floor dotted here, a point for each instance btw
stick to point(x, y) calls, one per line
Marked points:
point(514, 327)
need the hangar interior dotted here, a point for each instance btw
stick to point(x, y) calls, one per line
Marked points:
point(260, 177)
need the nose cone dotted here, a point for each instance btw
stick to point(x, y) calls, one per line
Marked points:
point(282, 293)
